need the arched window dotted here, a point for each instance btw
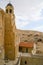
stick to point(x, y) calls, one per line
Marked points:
point(10, 10)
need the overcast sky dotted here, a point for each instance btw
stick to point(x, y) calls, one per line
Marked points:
point(29, 13)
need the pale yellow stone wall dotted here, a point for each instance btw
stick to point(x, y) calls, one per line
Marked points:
point(9, 38)
point(40, 46)
point(17, 41)
point(2, 34)
point(36, 60)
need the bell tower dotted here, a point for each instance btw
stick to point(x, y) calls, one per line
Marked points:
point(9, 38)
point(9, 9)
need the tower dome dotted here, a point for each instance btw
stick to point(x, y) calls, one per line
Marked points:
point(9, 4)
point(9, 8)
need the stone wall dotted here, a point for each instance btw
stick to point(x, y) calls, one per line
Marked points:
point(32, 60)
point(2, 19)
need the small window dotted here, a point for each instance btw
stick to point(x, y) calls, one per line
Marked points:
point(25, 62)
point(26, 50)
point(6, 10)
point(10, 10)
point(20, 49)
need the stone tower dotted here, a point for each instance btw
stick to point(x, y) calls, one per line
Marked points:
point(9, 38)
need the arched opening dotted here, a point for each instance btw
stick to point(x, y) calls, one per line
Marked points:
point(10, 10)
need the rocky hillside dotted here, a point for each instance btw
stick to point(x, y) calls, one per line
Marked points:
point(29, 35)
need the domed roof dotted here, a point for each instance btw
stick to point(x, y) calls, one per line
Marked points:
point(9, 4)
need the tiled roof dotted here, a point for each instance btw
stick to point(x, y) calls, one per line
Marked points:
point(26, 44)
